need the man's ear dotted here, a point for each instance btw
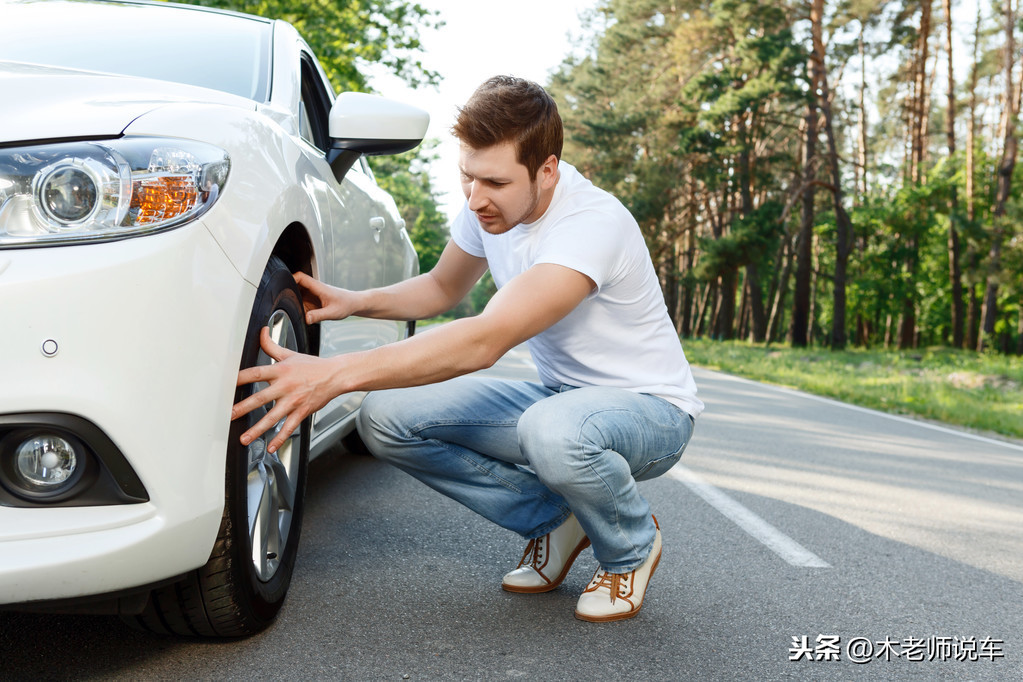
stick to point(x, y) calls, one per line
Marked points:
point(547, 175)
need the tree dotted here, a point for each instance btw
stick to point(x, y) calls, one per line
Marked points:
point(843, 234)
point(799, 330)
point(683, 110)
point(717, 120)
point(955, 276)
point(1005, 169)
point(619, 106)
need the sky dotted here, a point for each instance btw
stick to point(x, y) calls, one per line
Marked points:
point(480, 39)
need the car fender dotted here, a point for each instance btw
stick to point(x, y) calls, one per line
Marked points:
point(272, 182)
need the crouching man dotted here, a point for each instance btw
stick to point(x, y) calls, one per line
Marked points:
point(555, 461)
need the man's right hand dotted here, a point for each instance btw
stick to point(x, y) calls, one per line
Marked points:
point(322, 301)
point(417, 298)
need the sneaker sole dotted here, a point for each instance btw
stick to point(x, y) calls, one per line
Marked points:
point(627, 614)
point(553, 585)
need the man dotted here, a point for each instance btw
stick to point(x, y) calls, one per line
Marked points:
point(556, 461)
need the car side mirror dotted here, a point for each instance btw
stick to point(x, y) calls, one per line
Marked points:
point(369, 124)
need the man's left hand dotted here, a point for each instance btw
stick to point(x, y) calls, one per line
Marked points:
point(299, 386)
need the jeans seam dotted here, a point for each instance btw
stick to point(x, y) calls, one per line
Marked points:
point(414, 430)
point(476, 465)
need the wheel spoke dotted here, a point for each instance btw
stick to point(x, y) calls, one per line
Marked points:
point(272, 477)
point(261, 522)
point(285, 490)
point(282, 332)
point(288, 454)
point(274, 543)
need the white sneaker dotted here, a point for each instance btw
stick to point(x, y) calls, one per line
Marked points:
point(546, 561)
point(617, 596)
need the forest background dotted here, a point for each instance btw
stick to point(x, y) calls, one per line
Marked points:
point(832, 175)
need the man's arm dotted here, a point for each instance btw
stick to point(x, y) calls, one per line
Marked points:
point(301, 384)
point(418, 298)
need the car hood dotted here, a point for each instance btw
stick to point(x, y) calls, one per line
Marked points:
point(49, 103)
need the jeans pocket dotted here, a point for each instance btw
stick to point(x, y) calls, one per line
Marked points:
point(656, 467)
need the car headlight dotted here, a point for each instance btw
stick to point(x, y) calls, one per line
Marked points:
point(73, 192)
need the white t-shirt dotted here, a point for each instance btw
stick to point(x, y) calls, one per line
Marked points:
point(620, 335)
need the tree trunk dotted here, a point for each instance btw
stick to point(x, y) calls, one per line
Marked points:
point(814, 284)
point(919, 108)
point(777, 308)
point(907, 322)
point(1019, 325)
point(743, 329)
point(758, 314)
point(954, 271)
point(1005, 168)
point(799, 329)
point(918, 117)
point(862, 156)
point(753, 290)
point(843, 236)
point(724, 314)
point(701, 310)
point(972, 302)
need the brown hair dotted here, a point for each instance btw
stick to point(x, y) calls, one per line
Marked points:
point(510, 109)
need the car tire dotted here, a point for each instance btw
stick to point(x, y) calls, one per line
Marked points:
point(243, 585)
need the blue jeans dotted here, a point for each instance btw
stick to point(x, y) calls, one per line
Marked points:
point(525, 456)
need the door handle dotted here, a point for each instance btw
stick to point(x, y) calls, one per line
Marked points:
point(377, 224)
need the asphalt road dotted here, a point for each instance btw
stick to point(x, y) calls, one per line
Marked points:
point(861, 545)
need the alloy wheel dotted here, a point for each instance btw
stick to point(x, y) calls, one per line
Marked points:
point(271, 476)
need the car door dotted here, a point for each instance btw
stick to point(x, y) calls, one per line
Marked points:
point(356, 256)
point(400, 260)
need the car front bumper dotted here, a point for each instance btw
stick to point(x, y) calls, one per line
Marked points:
point(148, 335)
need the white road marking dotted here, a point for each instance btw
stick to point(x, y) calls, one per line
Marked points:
point(776, 541)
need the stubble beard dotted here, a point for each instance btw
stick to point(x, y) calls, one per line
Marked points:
point(505, 225)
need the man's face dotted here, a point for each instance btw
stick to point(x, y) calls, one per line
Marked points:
point(499, 189)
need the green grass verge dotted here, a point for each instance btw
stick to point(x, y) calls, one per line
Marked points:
point(978, 391)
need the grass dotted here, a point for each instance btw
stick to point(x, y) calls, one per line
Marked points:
point(983, 392)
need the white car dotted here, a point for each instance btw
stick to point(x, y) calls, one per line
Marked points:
point(163, 171)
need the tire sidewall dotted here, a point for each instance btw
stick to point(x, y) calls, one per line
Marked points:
point(277, 291)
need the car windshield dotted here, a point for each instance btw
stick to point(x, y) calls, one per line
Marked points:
point(184, 45)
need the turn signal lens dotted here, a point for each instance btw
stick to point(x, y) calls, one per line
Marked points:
point(159, 199)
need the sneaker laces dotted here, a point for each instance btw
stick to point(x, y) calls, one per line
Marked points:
point(533, 556)
point(615, 583)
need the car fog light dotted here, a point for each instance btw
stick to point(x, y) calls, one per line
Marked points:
point(47, 463)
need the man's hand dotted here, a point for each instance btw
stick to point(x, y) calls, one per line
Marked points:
point(323, 302)
point(299, 385)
